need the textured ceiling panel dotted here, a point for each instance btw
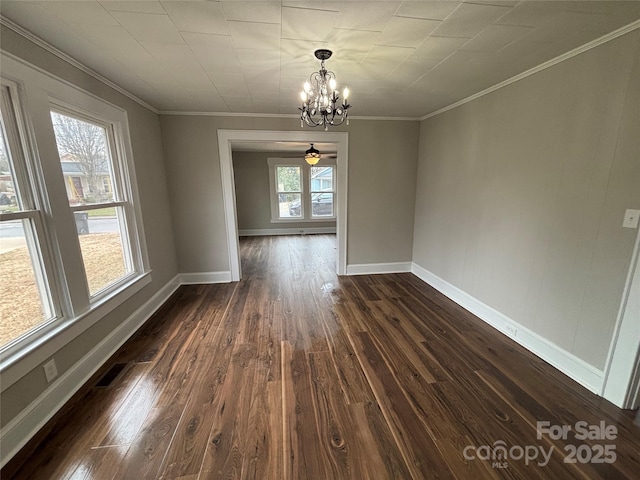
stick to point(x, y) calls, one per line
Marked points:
point(403, 59)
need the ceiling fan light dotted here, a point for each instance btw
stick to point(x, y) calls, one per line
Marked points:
point(312, 159)
point(312, 156)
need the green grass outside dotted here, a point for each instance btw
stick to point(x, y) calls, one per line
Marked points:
point(103, 212)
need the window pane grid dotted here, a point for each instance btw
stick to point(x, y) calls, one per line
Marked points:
point(88, 155)
point(25, 292)
point(302, 192)
point(42, 267)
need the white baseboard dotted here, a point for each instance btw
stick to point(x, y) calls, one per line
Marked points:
point(376, 268)
point(585, 374)
point(255, 232)
point(204, 277)
point(15, 434)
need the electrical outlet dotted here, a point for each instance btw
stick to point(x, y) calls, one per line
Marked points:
point(631, 218)
point(511, 330)
point(50, 370)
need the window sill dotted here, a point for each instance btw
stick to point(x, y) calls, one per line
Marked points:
point(19, 359)
point(303, 220)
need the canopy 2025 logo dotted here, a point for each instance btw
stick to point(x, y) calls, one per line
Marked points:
point(499, 453)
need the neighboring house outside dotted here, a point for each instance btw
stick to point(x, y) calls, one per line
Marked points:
point(322, 180)
point(78, 185)
point(7, 193)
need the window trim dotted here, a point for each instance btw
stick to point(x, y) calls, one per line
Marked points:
point(306, 217)
point(332, 192)
point(37, 89)
point(274, 192)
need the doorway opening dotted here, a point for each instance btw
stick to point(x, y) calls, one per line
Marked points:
point(226, 141)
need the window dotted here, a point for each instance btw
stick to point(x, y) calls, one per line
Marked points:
point(86, 150)
point(289, 190)
point(300, 192)
point(25, 298)
point(71, 242)
point(322, 191)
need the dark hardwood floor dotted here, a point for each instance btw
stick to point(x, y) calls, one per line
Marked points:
point(295, 373)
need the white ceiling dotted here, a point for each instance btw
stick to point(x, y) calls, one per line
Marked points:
point(399, 59)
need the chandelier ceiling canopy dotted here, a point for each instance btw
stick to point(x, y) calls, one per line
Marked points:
point(321, 102)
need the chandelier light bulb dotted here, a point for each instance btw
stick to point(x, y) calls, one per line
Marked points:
point(303, 96)
point(332, 84)
point(307, 87)
point(345, 93)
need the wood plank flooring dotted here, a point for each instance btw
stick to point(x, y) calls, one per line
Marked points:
point(295, 373)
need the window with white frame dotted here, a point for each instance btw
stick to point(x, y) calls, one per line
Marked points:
point(300, 192)
point(289, 191)
point(71, 242)
point(26, 300)
point(86, 147)
point(322, 191)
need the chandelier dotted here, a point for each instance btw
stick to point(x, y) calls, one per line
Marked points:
point(320, 100)
point(312, 156)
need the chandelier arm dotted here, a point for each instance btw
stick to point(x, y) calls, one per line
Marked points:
point(310, 121)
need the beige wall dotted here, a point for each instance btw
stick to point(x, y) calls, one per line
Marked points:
point(381, 184)
point(253, 194)
point(149, 165)
point(521, 195)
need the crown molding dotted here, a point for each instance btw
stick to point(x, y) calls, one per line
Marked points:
point(272, 115)
point(72, 61)
point(395, 119)
point(5, 22)
point(543, 66)
point(227, 114)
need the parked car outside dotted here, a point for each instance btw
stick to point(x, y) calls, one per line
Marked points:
point(321, 205)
